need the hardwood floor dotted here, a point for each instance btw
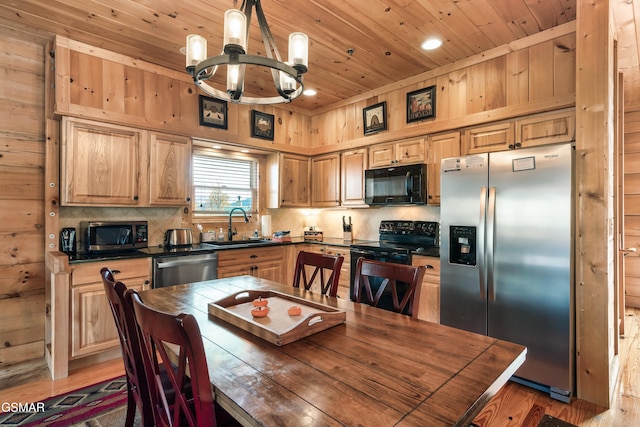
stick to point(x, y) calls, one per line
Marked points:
point(514, 405)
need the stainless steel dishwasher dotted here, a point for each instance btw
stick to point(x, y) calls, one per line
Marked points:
point(178, 269)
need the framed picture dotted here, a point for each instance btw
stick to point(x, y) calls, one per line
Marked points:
point(375, 118)
point(261, 125)
point(213, 112)
point(421, 104)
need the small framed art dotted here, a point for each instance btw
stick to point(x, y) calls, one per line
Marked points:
point(421, 104)
point(375, 118)
point(213, 112)
point(261, 125)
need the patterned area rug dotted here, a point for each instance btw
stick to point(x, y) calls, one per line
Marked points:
point(99, 401)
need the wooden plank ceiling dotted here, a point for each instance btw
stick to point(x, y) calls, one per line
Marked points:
point(355, 46)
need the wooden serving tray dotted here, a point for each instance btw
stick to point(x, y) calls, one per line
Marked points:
point(277, 327)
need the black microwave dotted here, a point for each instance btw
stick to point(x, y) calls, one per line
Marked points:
point(114, 236)
point(396, 185)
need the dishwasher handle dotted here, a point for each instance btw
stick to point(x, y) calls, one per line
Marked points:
point(184, 260)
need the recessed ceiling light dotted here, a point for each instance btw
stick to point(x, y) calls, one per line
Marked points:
point(244, 151)
point(217, 147)
point(309, 92)
point(432, 43)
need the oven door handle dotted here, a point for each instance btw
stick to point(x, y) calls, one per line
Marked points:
point(361, 252)
point(392, 254)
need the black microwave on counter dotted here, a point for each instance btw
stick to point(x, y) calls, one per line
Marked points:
point(107, 236)
point(396, 185)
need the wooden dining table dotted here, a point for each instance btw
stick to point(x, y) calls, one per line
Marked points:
point(378, 368)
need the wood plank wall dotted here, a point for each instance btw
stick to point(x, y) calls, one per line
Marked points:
point(97, 84)
point(22, 158)
point(501, 84)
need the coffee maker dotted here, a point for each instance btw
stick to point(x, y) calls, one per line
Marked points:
point(68, 241)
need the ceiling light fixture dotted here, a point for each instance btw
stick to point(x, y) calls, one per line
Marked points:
point(287, 76)
point(432, 43)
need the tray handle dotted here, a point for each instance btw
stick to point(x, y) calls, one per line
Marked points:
point(315, 319)
point(242, 295)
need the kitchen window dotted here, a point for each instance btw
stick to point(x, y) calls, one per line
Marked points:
point(223, 182)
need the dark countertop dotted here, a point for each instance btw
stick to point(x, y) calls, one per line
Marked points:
point(155, 251)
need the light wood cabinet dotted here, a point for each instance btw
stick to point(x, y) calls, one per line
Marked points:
point(397, 153)
point(265, 262)
point(92, 327)
point(548, 128)
point(169, 170)
point(353, 164)
point(531, 131)
point(489, 138)
point(429, 307)
point(325, 180)
point(439, 147)
point(109, 165)
point(99, 164)
point(288, 179)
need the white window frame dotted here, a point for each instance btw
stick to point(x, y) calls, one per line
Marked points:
point(253, 188)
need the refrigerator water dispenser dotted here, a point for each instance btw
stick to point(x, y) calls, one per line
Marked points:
point(462, 249)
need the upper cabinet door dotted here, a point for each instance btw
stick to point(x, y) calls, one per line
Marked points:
point(325, 180)
point(440, 146)
point(489, 138)
point(548, 128)
point(353, 166)
point(382, 155)
point(404, 152)
point(295, 176)
point(169, 170)
point(99, 164)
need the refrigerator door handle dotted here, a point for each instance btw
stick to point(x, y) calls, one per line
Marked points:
point(491, 217)
point(481, 245)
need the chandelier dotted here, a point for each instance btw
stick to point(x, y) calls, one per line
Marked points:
point(287, 76)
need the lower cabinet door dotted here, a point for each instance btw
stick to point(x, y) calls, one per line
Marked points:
point(93, 328)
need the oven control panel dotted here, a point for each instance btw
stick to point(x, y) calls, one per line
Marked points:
point(409, 228)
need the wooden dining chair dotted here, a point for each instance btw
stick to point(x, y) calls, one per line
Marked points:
point(402, 282)
point(191, 401)
point(324, 266)
point(137, 389)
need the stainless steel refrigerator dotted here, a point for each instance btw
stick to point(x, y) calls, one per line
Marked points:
point(507, 256)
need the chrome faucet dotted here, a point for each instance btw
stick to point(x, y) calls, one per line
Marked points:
point(230, 232)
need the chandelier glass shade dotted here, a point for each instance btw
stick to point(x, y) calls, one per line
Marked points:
point(287, 76)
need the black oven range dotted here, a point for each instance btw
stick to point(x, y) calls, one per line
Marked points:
point(398, 240)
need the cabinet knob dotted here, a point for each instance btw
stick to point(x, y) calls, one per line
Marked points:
point(146, 282)
point(428, 266)
point(116, 271)
point(135, 197)
point(253, 256)
point(188, 199)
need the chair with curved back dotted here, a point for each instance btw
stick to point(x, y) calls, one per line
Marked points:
point(192, 398)
point(137, 390)
point(323, 265)
point(402, 282)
